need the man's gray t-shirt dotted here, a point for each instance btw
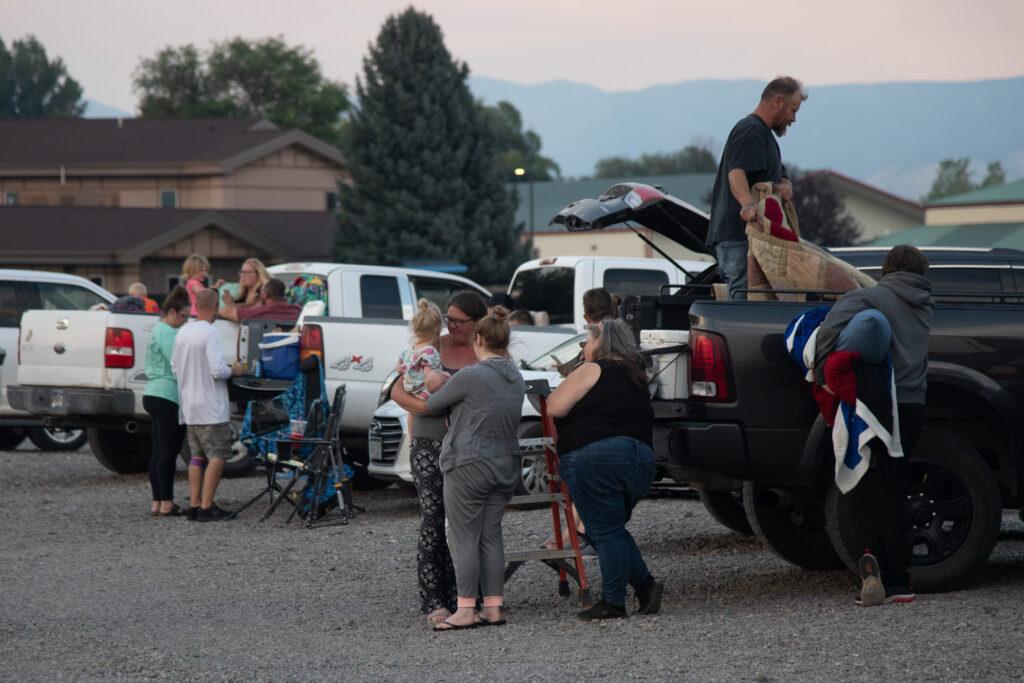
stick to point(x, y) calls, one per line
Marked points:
point(752, 148)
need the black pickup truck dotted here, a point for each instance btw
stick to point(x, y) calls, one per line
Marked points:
point(755, 444)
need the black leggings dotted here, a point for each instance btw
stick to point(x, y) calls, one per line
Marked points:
point(167, 436)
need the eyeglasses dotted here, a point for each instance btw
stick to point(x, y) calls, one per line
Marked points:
point(455, 323)
point(247, 272)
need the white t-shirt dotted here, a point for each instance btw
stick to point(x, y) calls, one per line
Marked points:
point(198, 365)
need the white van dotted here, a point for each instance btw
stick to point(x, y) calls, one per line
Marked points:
point(554, 286)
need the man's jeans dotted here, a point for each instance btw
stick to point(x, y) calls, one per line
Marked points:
point(732, 262)
point(606, 480)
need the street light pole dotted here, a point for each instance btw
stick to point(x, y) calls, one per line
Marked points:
point(520, 172)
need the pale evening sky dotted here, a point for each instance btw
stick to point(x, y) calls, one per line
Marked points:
point(611, 45)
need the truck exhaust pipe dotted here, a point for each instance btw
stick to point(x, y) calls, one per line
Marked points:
point(131, 426)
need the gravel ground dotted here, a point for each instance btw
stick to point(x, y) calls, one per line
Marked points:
point(95, 589)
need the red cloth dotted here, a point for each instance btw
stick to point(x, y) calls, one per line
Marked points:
point(272, 310)
point(841, 378)
point(773, 213)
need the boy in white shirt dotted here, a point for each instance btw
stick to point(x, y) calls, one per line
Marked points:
point(198, 365)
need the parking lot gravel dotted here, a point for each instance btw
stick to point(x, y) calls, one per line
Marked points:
point(95, 589)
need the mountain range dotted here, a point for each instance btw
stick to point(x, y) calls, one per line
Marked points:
point(891, 135)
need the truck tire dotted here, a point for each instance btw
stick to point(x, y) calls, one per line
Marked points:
point(954, 500)
point(11, 438)
point(119, 451)
point(53, 439)
point(726, 507)
point(533, 470)
point(238, 464)
point(792, 527)
point(362, 480)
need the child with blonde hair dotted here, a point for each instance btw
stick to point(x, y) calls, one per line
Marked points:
point(420, 364)
point(194, 272)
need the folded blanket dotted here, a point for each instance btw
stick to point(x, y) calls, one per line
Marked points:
point(862, 405)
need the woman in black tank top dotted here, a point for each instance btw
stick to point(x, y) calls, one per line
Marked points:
point(605, 424)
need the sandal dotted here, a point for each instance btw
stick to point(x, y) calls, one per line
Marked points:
point(175, 511)
point(438, 616)
point(449, 626)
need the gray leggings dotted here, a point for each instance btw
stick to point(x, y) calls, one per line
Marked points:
point(475, 498)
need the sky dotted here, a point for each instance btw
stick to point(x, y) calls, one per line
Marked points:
point(611, 45)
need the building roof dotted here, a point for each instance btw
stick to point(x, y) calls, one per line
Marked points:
point(550, 197)
point(121, 145)
point(984, 235)
point(1008, 193)
point(35, 234)
point(851, 186)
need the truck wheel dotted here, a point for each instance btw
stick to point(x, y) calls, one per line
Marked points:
point(53, 439)
point(792, 526)
point(238, 464)
point(11, 438)
point(955, 512)
point(726, 507)
point(119, 451)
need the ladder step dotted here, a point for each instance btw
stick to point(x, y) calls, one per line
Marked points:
point(537, 498)
point(539, 554)
point(536, 444)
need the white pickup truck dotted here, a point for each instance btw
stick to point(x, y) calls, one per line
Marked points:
point(22, 290)
point(554, 286)
point(85, 369)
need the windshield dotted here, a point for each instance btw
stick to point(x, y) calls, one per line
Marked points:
point(548, 289)
point(560, 355)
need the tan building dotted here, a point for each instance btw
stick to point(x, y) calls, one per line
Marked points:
point(877, 212)
point(163, 163)
point(121, 200)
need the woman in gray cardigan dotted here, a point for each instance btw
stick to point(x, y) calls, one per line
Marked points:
point(480, 461)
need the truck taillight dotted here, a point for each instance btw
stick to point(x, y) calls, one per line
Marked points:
point(311, 343)
point(119, 348)
point(709, 368)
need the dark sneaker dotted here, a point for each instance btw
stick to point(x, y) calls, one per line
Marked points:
point(872, 593)
point(899, 594)
point(650, 600)
point(603, 610)
point(212, 514)
point(192, 514)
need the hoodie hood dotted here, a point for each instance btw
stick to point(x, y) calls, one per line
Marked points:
point(505, 368)
point(915, 289)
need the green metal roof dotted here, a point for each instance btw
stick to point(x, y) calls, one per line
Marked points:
point(986, 235)
point(552, 196)
point(1010, 192)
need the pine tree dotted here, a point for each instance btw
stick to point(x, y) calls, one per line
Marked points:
point(426, 176)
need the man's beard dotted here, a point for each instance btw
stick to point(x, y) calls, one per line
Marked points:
point(780, 129)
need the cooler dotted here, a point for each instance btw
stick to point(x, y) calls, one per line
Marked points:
point(671, 369)
point(279, 355)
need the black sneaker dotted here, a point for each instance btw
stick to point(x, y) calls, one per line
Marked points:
point(603, 610)
point(872, 593)
point(192, 514)
point(650, 600)
point(212, 514)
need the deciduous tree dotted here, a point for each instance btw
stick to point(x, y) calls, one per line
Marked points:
point(821, 211)
point(691, 159)
point(32, 86)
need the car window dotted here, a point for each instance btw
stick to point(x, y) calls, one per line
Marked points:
point(437, 291)
point(949, 281)
point(560, 355)
point(64, 297)
point(10, 314)
point(547, 289)
point(634, 281)
point(380, 297)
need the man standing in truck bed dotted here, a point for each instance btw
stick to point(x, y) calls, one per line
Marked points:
point(751, 155)
point(904, 297)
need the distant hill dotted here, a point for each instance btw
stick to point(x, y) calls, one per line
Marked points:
point(888, 134)
point(98, 110)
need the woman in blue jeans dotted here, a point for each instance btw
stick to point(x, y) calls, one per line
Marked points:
point(605, 423)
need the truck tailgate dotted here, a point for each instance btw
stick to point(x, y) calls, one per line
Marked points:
point(65, 348)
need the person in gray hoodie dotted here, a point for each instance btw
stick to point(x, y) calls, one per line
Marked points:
point(480, 461)
point(904, 296)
